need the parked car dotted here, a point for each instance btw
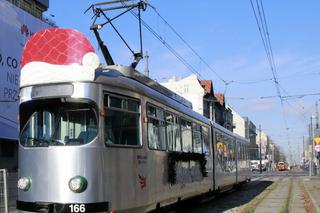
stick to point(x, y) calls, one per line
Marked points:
point(256, 167)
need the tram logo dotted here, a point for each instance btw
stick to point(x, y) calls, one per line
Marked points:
point(142, 181)
point(24, 30)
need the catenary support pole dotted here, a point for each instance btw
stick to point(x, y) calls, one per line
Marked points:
point(312, 148)
point(260, 149)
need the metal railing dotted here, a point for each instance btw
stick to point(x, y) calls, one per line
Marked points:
point(4, 206)
point(8, 191)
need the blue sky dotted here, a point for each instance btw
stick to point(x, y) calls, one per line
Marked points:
point(224, 33)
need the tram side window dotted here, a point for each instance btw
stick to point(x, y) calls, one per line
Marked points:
point(122, 121)
point(246, 152)
point(239, 154)
point(221, 148)
point(231, 148)
point(173, 132)
point(156, 128)
point(197, 138)
point(186, 136)
point(206, 140)
point(242, 152)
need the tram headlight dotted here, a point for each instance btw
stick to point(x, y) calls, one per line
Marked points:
point(78, 184)
point(24, 183)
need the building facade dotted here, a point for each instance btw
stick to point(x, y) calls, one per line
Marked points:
point(250, 129)
point(190, 89)
point(204, 101)
point(208, 99)
point(239, 123)
point(262, 140)
point(19, 19)
point(223, 114)
point(33, 7)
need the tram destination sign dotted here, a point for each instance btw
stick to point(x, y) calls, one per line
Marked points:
point(16, 28)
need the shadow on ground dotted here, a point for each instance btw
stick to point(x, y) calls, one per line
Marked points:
point(242, 195)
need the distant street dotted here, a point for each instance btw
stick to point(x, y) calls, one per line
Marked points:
point(288, 191)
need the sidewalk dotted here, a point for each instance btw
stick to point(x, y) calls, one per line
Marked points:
point(312, 186)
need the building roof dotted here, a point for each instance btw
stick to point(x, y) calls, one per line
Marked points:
point(220, 98)
point(207, 85)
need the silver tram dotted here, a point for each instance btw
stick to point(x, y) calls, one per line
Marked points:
point(119, 143)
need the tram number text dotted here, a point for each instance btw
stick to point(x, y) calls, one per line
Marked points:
point(77, 208)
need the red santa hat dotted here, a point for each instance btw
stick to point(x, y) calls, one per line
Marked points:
point(56, 46)
point(57, 55)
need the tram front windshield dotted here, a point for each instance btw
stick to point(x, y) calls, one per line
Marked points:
point(54, 123)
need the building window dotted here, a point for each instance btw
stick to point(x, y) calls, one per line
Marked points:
point(156, 128)
point(173, 132)
point(185, 88)
point(122, 121)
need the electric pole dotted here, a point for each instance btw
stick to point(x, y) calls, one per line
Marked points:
point(146, 64)
point(312, 148)
point(260, 149)
point(303, 153)
point(299, 154)
point(317, 134)
point(317, 120)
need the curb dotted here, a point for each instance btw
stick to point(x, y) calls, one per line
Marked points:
point(316, 207)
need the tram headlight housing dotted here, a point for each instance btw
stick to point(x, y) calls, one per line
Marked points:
point(78, 184)
point(24, 183)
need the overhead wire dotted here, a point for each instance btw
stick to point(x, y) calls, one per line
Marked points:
point(294, 75)
point(264, 34)
point(274, 70)
point(167, 45)
point(292, 97)
point(188, 45)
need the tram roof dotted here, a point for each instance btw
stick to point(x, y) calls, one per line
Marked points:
point(125, 76)
point(138, 76)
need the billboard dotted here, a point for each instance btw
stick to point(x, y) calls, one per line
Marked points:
point(16, 28)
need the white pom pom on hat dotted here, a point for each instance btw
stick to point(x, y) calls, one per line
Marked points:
point(91, 59)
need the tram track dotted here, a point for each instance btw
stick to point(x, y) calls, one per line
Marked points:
point(280, 193)
point(285, 195)
point(286, 206)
